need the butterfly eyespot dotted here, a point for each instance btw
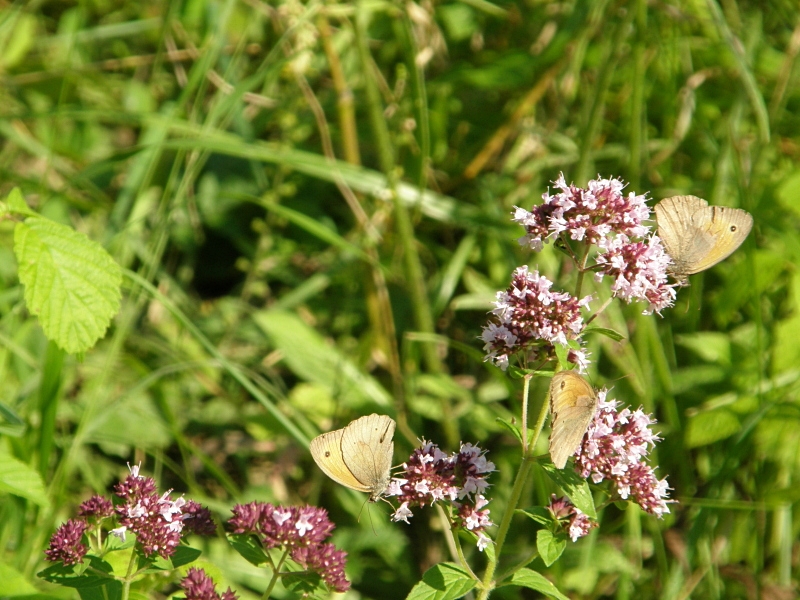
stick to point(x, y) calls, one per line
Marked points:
point(733, 228)
point(327, 453)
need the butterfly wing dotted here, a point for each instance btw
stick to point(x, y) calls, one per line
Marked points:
point(697, 236)
point(573, 403)
point(727, 227)
point(367, 450)
point(678, 230)
point(326, 449)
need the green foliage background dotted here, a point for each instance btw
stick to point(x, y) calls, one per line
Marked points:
point(311, 202)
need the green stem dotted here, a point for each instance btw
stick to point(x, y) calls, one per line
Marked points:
point(126, 585)
point(487, 584)
point(525, 561)
point(276, 573)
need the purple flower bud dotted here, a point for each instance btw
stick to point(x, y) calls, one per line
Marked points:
point(96, 506)
point(66, 545)
point(577, 524)
point(197, 585)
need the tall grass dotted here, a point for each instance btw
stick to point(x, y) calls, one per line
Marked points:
point(312, 204)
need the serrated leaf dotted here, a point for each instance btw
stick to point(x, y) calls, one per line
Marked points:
point(574, 487)
point(550, 546)
point(21, 480)
point(609, 333)
point(15, 203)
point(71, 282)
point(511, 427)
point(535, 581)
point(445, 581)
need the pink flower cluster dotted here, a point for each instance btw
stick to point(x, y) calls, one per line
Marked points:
point(460, 478)
point(529, 316)
point(197, 585)
point(576, 523)
point(301, 530)
point(601, 215)
point(584, 214)
point(639, 270)
point(614, 448)
point(157, 521)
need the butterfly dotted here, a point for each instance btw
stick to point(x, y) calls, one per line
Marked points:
point(573, 403)
point(358, 456)
point(697, 236)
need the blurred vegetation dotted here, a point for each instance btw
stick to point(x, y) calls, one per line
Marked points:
point(312, 204)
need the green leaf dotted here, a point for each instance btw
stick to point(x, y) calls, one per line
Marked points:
point(312, 358)
point(14, 582)
point(80, 575)
point(301, 583)
point(610, 333)
point(539, 514)
point(249, 548)
point(70, 281)
point(16, 204)
point(445, 581)
point(711, 426)
point(21, 480)
point(575, 488)
point(550, 546)
point(511, 427)
point(185, 555)
point(535, 581)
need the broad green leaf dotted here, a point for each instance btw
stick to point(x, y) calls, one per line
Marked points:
point(185, 555)
point(94, 574)
point(248, 548)
point(14, 582)
point(575, 488)
point(535, 581)
point(312, 358)
point(550, 546)
point(445, 581)
point(711, 426)
point(70, 281)
point(21, 480)
point(301, 583)
point(15, 202)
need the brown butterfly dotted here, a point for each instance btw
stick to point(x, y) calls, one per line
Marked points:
point(697, 236)
point(573, 403)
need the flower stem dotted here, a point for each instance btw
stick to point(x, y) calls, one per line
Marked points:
point(276, 573)
point(126, 585)
point(516, 493)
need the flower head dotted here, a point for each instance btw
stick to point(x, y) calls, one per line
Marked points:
point(301, 530)
point(66, 545)
point(576, 523)
point(157, 521)
point(614, 448)
point(96, 506)
point(197, 585)
point(590, 214)
point(430, 475)
point(639, 271)
point(530, 316)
